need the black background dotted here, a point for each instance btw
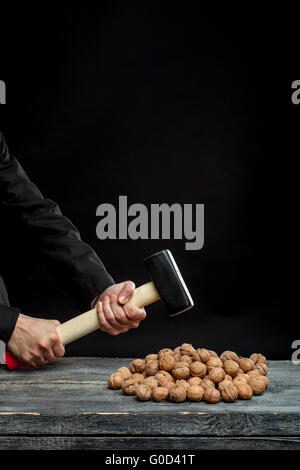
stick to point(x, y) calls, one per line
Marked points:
point(162, 104)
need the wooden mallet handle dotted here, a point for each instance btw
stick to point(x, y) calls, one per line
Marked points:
point(88, 322)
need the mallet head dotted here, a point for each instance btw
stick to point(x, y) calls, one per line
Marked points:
point(169, 283)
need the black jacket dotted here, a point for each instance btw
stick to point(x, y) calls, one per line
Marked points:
point(52, 238)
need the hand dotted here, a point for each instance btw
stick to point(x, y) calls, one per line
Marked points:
point(35, 341)
point(115, 313)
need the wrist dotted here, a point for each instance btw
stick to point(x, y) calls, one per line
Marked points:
point(21, 323)
point(21, 319)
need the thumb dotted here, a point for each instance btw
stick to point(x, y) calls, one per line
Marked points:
point(126, 292)
point(56, 322)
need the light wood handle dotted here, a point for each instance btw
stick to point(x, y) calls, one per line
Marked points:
point(88, 322)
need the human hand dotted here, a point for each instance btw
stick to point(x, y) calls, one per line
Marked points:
point(35, 341)
point(115, 313)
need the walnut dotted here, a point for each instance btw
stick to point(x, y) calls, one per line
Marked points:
point(195, 393)
point(206, 383)
point(195, 356)
point(245, 391)
point(258, 358)
point(115, 381)
point(194, 381)
point(177, 350)
point(261, 359)
point(212, 353)
point(216, 375)
point(139, 378)
point(231, 367)
point(246, 364)
point(239, 379)
point(151, 382)
point(213, 362)
point(228, 377)
point(161, 380)
point(258, 385)
point(167, 374)
point(203, 355)
point(229, 355)
point(138, 365)
point(184, 383)
point(186, 358)
point(151, 357)
point(223, 384)
point(169, 385)
point(143, 392)
point(166, 361)
point(177, 357)
point(262, 368)
point(151, 367)
point(125, 372)
point(212, 395)
point(229, 392)
point(160, 394)
point(265, 380)
point(177, 394)
point(164, 351)
point(181, 370)
point(162, 377)
point(198, 369)
point(129, 386)
point(253, 373)
point(187, 349)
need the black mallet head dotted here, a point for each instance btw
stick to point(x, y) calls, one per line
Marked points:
point(169, 283)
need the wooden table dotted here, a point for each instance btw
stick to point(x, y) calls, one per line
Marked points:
point(68, 406)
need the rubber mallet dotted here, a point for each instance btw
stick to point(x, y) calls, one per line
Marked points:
point(167, 285)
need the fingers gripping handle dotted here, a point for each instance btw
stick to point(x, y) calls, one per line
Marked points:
point(88, 322)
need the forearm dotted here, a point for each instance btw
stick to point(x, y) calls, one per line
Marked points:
point(52, 238)
point(72, 263)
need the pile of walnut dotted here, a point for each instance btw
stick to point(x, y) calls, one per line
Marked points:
point(196, 374)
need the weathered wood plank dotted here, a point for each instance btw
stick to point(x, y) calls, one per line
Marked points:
point(147, 443)
point(70, 397)
point(159, 424)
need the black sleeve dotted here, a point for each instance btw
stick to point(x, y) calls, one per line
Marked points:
point(51, 236)
point(8, 320)
point(8, 314)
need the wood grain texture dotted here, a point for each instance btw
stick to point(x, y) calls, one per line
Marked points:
point(69, 403)
point(148, 443)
